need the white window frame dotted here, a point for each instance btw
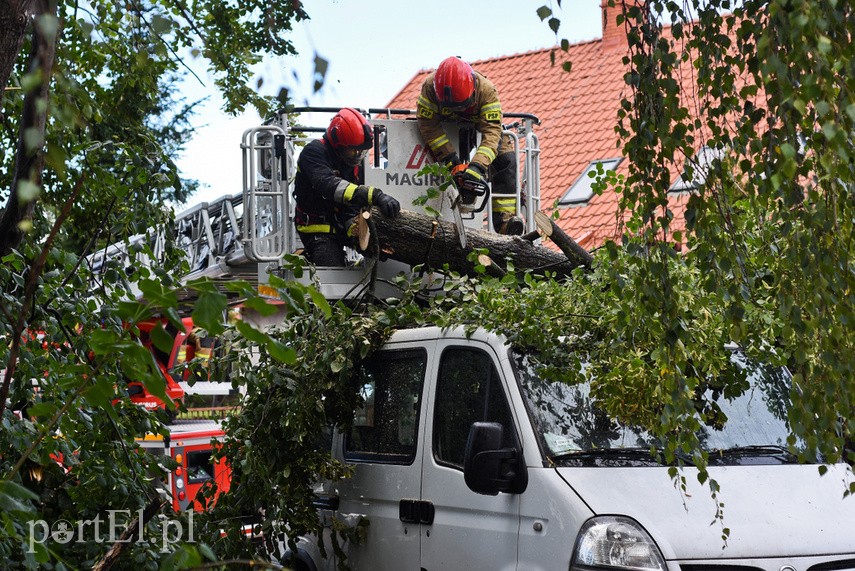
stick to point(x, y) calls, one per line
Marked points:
point(700, 163)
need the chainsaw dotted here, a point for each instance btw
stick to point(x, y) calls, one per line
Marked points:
point(458, 205)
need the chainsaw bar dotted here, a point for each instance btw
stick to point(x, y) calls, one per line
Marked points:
point(454, 196)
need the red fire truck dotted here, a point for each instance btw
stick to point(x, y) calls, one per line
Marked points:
point(191, 443)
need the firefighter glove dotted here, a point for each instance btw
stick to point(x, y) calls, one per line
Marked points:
point(387, 205)
point(470, 178)
point(450, 160)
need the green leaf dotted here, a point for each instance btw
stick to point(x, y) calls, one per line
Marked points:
point(27, 191)
point(262, 306)
point(554, 24)
point(281, 353)
point(16, 490)
point(543, 13)
point(208, 311)
point(161, 339)
point(251, 333)
point(16, 498)
point(155, 293)
point(101, 394)
point(320, 301)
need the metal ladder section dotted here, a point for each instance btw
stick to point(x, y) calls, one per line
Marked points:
point(268, 162)
point(209, 234)
point(529, 184)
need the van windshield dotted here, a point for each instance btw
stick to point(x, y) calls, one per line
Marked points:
point(745, 428)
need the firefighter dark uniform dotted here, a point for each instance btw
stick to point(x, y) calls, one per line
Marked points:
point(328, 190)
point(494, 154)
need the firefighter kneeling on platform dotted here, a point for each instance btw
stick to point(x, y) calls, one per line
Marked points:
point(455, 92)
point(329, 189)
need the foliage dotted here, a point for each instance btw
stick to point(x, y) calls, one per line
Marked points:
point(67, 448)
point(764, 260)
point(768, 88)
point(114, 121)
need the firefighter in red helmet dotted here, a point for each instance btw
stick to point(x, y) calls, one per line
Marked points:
point(455, 92)
point(328, 188)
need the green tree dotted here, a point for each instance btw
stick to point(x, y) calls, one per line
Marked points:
point(92, 118)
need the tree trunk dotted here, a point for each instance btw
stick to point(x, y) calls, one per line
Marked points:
point(29, 158)
point(414, 239)
point(14, 17)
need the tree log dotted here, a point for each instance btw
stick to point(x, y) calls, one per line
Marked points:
point(565, 243)
point(414, 238)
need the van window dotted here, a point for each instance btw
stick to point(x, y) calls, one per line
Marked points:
point(385, 428)
point(468, 390)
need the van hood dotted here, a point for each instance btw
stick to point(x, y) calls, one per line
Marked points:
point(781, 510)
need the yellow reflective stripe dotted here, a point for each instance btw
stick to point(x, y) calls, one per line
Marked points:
point(348, 192)
point(425, 102)
point(505, 201)
point(487, 152)
point(370, 195)
point(491, 112)
point(438, 142)
point(316, 229)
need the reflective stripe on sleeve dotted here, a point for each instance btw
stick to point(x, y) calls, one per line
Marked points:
point(427, 103)
point(370, 195)
point(315, 229)
point(344, 192)
point(492, 112)
point(437, 143)
point(487, 152)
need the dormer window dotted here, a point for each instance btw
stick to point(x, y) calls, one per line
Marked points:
point(696, 170)
point(581, 191)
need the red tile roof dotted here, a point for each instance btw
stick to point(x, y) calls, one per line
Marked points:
point(578, 114)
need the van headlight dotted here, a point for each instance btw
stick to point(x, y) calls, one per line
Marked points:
point(614, 541)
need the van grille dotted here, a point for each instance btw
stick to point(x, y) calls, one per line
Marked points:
point(842, 565)
point(704, 567)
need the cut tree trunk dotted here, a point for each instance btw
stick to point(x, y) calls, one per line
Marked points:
point(565, 243)
point(414, 239)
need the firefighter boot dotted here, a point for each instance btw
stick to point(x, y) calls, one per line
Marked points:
point(508, 223)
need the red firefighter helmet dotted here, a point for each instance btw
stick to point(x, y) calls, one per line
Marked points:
point(454, 83)
point(349, 134)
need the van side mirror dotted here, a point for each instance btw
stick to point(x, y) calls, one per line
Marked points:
point(489, 469)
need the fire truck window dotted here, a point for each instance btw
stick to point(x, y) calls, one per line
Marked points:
point(385, 429)
point(200, 467)
point(468, 390)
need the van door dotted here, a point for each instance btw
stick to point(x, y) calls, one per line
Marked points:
point(468, 531)
point(384, 447)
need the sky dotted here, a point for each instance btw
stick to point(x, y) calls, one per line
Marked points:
point(374, 48)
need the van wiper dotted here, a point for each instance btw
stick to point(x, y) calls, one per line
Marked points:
point(753, 454)
point(636, 456)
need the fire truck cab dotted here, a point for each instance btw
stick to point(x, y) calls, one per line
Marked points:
point(191, 443)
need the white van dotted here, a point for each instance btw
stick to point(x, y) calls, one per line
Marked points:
point(465, 459)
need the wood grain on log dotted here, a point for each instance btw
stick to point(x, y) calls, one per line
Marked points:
point(414, 238)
